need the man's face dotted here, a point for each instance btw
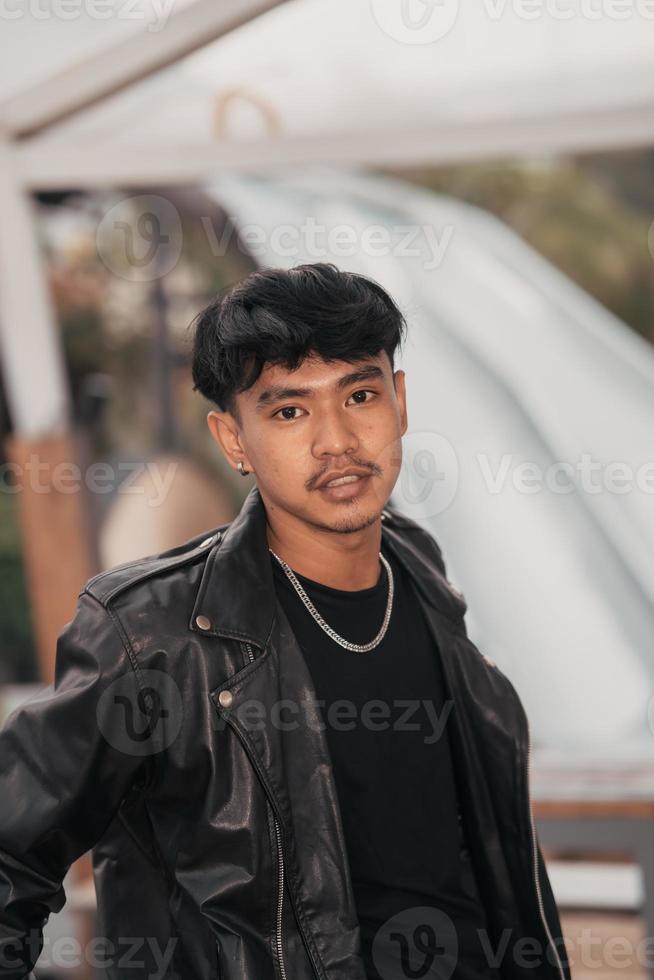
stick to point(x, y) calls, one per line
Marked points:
point(299, 428)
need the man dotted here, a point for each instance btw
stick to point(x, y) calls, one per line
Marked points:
point(288, 756)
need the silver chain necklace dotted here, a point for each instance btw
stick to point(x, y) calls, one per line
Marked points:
point(356, 647)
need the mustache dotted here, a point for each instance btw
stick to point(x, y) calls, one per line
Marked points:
point(375, 470)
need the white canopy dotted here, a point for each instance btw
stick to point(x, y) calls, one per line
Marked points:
point(326, 80)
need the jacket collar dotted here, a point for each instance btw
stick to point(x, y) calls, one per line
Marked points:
point(236, 597)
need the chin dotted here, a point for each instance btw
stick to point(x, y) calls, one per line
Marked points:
point(350, 525)
point(351, 518)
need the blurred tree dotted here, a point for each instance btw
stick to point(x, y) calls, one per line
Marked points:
point(17, 665)
point(16, 638)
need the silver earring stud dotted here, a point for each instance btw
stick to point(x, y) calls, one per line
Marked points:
point(241, 468)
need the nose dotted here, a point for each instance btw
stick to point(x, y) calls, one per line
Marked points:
point(334, 435)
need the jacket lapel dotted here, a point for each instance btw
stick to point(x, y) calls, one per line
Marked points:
point(236, 596)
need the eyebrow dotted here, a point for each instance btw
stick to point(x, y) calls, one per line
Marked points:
point(276, 393)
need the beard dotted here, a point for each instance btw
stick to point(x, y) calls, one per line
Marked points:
point(350, 523)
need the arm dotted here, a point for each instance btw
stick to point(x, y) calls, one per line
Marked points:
point(65, 765)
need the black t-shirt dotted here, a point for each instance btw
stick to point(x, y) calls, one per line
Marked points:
point(386, 722)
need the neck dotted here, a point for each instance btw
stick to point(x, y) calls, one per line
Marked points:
point(347, 561)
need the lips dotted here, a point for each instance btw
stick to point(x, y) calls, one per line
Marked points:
point(341, 479)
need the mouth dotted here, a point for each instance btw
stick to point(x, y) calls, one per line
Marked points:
point(340, 480)
point(345, 487)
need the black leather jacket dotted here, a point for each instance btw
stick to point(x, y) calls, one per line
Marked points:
point(179, 742)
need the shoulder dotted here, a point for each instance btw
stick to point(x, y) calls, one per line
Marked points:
point(114, 581)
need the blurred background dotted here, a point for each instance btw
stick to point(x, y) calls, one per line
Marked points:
point(491, 163)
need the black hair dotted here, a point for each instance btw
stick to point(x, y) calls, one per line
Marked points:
point(281, 316)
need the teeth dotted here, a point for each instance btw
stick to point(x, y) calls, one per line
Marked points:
point(343, 479)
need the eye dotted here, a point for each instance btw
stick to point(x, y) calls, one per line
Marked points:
point(363, 391)
point(286, 408)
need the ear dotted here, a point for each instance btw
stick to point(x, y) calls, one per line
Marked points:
point(400, 393)
point(225, 431)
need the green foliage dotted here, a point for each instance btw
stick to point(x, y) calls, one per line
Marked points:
point(17, 660)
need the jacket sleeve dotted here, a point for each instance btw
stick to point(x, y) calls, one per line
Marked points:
point(552, 913)
point(65, 765)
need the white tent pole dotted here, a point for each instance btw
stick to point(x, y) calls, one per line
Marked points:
point(40, 449)
point(44, 165)
point(127, 61)
point(33, 370)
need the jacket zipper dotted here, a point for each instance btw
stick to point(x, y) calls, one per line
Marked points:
point(280, 898)
point(280, 872)
point(534, 858)
point(318, 972)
